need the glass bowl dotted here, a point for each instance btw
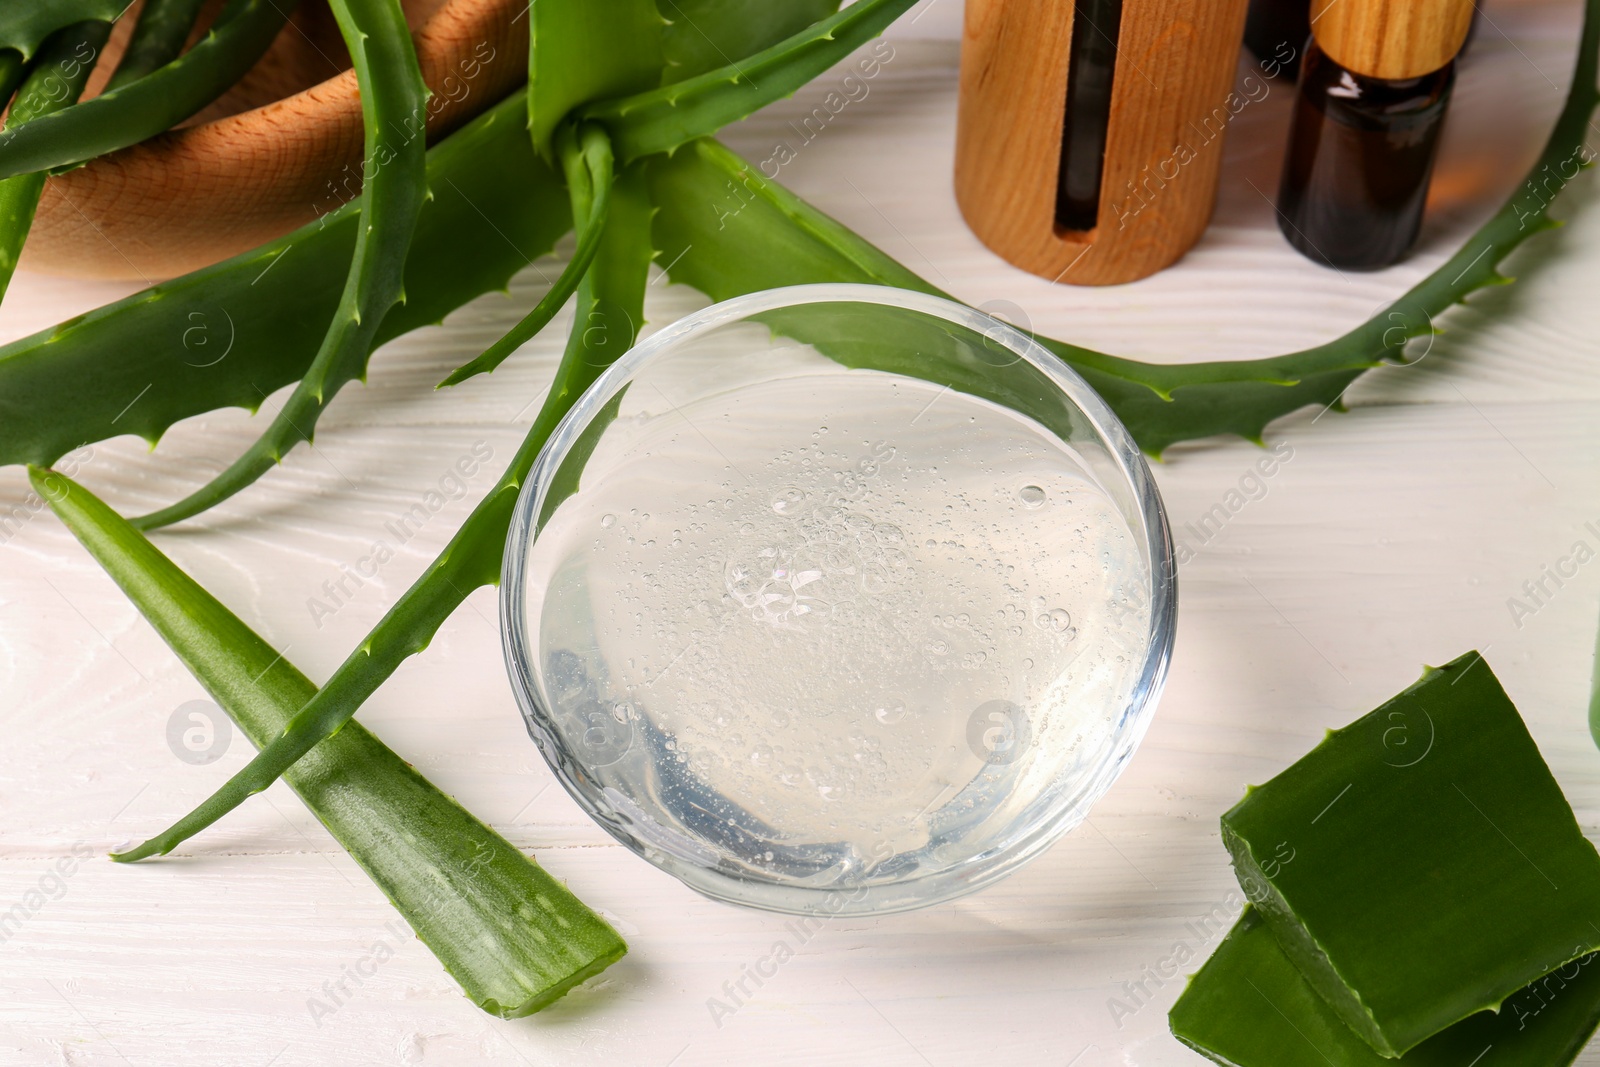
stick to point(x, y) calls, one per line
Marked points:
point(838, 599)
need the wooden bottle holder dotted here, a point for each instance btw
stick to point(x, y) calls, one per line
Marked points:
point(1171, 101)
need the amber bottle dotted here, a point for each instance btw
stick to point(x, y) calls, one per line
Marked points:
point(1276, 32)
point(1374, 87)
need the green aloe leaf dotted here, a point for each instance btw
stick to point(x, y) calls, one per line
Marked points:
point(393, 189)
point(728, 230)
point(1250, 1007)
point(24, 24)
point(156, 102)
point(609, 314)
point(770, 238)
point(666, 118)
point(158, 38)
point(594, 156)
point(229, 334)
point(581, 51)
point(54, 80)
point(703, 35)
point(1420, 865)
point(513, 937)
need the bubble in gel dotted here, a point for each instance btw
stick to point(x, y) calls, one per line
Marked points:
point(890, 711)
point(1057, 620)
point(788, 500)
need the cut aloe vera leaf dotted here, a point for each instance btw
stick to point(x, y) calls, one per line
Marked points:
point(514, 937)
point(1250, 1007)
point(1420, 865)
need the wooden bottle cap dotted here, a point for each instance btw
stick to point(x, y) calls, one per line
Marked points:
point(1392, 39)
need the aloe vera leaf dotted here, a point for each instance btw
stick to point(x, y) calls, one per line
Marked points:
point(54, 80)
point(1421, 864)
point(597, 163)
point(158, 38)
point(702, 35)
point(231, 333)
point(1250, 1007)
point(25, 25)
point(394, 187)
point(12, 68)
point(663, 119)
point(152, 104)
point(739, 232)
point(610, 311)
point(581, 51)
point(510, 934)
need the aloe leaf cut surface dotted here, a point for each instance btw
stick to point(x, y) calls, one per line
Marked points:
point(510, 934)
point(1421, 864)
point(1250, 1007)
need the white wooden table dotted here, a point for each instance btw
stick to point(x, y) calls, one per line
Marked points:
point(1393, 537)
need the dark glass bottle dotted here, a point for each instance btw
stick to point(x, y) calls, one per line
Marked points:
point(1360, 156)
point(1276, 32)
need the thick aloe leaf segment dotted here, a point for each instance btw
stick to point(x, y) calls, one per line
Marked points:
point(151, 104)
point(1250, 1007)
point(229, 334)
point(1421, 864)
point(511, 935)
point(609, 313)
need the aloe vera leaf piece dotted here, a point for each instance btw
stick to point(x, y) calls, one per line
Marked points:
point(1250, 1007)
point(152, 104)
point(510, 934)
point(581, 51)
point(54, 80)
point(609, 313)
point(158, 38)
point(596, 160)
point(1421, 864)
point(26, 23)
point(12, 68)
point(702, 35)
point(229, 334)
point(393, 101)
point(665, 118)
point(738, 232)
